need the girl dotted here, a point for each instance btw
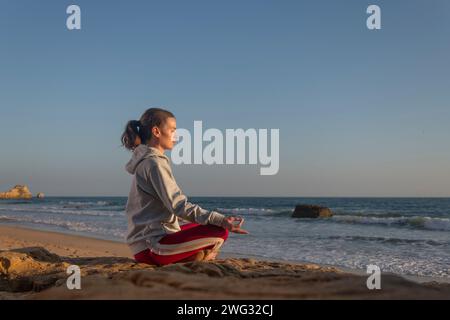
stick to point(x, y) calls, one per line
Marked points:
point(156, 203)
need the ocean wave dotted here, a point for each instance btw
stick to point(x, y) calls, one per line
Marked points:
point(389, 240)
point(428, 223)
point(77, 226)
point(16, 201)
point(362, 213)
point(7, 219)
point(83, 204)
point(61, 211)
point(382, 218)
point(390, 214)
point(254, 211)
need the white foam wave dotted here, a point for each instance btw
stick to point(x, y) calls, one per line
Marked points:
point(77, 226)
point(247, 211)
point(59, 210)
point(442, 224)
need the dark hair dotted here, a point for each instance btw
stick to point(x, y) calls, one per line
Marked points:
point(140, 131)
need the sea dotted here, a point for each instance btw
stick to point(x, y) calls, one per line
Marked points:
point(407, 236)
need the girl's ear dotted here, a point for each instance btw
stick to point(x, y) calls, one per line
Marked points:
point(156, 132)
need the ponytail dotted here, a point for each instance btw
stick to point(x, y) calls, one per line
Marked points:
point(130, 137)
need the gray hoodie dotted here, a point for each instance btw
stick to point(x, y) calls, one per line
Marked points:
point(155, 202)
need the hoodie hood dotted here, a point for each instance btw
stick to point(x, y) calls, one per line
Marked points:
point(140, 153)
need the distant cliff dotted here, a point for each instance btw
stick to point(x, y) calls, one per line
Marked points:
point(18, 192)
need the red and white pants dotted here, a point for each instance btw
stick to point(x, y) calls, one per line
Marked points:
point(180, 245)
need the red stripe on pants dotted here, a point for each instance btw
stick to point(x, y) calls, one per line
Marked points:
point(189, 232)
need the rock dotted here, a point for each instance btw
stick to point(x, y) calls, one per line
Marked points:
point(40, 195)
point(311, 211)
point(18, 192)
point(28, 269)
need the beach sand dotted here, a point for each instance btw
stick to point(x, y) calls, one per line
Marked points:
point(33, 265)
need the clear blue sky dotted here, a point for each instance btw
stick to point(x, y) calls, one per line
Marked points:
point(360, 113)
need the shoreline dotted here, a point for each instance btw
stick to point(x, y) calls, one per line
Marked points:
point(101, 246)
point(33, 265)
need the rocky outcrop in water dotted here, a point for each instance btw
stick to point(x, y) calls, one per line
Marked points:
point(18, 192)
point(311, 211)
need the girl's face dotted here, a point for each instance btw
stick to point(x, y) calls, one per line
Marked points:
point(166, 134)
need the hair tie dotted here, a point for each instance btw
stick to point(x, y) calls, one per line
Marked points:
point(137, 124)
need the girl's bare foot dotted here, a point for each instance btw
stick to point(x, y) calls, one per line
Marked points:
point(210, 254)
point(199, 256)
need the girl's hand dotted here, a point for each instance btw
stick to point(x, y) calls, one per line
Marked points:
point(233, 224)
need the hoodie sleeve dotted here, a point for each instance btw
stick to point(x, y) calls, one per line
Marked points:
point(173, 198)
